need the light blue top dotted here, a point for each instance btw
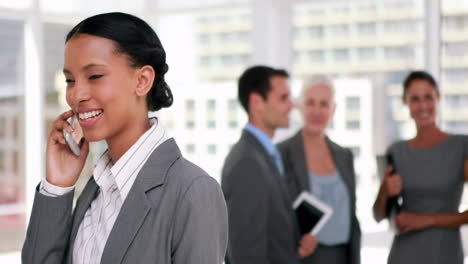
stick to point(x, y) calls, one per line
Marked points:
point(331, 190)
point(266, 142)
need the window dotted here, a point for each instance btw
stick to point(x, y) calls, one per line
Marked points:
point(367, 54)
point(190, 149)
point(190, 113)
point(398, 4)
point(454, 23)
point(211, 113)
point(211, 105)
point(401, 26)
point(341, 10)
point(399, 53)
point(353, 125)
point(243, 36)
point(205, 60)
point(460, 127)
point(204, 39)
point(456, 75)
point(233, 124)
point(395, 77)
point(455, 49)
point(316, 56)
point(456, 102)
point(12, 180)
point(315, 32)
point(367, 28)
point(340, 30)
point(211, 124)
point(396, 103)
point(232, 105)
point(190, 124)
point(244, 58)
point(190, 106)
point(316, 12)
point(353, 104)
point(211, 149)
point(227, 60)
point(367, 7)
point(341, 55)
point(232, 113)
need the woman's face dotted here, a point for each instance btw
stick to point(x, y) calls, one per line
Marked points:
point(100, 86)
point(317, 108)
point(422, 98)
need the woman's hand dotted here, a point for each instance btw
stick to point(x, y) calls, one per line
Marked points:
point(393, 183)
point(307, 245)
point(408, 221)
point(63, 167)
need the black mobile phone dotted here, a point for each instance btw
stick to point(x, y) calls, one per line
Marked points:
point(394, 203)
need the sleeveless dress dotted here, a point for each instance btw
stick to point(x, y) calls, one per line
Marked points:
point(432, 183)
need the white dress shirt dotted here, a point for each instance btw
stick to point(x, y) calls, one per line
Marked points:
point(115, 182)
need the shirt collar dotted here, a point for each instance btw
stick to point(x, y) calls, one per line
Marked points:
point(264, 139)
point(132, 160)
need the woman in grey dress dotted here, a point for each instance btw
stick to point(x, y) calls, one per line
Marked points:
point(316, 164)
point(430, 170)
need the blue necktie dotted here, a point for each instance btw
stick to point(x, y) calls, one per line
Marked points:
point(278, 161)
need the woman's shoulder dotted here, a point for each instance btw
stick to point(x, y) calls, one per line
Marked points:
point(337, 148)
point(185, 173)
point(290, 143)
point(397, 145)
point(458, 138)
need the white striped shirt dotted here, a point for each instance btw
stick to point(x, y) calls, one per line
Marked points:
point(114, 181)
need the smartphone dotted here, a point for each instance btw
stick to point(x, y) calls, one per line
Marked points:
point(73, 139)
point(394, 203)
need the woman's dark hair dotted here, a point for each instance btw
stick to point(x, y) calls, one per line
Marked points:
point(418, 76)
point(135, 38)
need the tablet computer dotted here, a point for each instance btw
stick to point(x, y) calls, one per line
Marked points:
point(312, 214)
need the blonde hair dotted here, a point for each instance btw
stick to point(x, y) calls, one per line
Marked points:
point(315, 80)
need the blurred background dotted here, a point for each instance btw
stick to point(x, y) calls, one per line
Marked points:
point(366, 46)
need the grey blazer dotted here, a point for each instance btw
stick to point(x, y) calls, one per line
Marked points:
point(292, 152)
point(174, 213)
point(262, 226)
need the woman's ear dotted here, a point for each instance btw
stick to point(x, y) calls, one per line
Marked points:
point(145, 79)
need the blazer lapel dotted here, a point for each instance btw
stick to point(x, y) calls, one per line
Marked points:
point(300, 164)
point(343, 168)
point(87, 196)
point(277, 177)
point(137, 206)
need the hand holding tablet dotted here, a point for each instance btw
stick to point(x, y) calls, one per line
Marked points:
point(312, 214)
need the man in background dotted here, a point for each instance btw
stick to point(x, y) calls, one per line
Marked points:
point(262, 223)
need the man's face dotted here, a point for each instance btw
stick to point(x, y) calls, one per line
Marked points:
point(274, 110)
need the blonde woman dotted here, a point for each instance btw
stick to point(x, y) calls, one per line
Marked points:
point(316, 164)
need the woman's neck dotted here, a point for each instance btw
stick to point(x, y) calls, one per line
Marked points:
point(123, 141)
point(428, 136)
point(312, 140)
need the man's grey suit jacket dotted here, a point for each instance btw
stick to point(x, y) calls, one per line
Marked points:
point(262, 224)
point(174, 213)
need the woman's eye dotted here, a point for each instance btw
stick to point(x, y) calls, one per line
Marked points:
point(94, 77)
point(69, 80)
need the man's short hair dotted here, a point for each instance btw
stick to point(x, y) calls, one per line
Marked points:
point(256, 79)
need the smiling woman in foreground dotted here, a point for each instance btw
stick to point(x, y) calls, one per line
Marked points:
point(144, 203)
